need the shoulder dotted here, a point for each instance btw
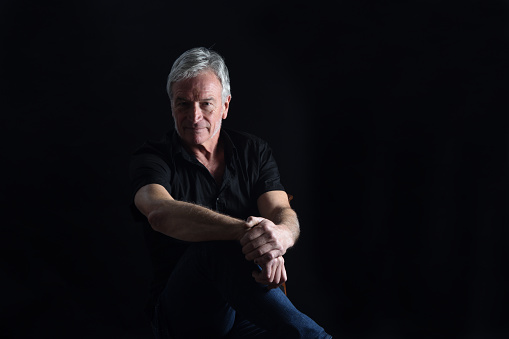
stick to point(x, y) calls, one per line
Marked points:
point(250, 149)
point(163, 146)
point(244, 139)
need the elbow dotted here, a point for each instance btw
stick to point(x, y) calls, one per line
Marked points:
point(155, 218)
point(161, 222)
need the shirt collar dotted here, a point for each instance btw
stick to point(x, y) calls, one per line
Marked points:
point(231, 153)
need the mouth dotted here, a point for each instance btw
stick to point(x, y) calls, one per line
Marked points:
point(195, 129)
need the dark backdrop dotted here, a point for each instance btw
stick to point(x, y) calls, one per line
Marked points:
point(388, 120)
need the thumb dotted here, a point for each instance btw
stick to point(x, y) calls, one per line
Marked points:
point(253, 221)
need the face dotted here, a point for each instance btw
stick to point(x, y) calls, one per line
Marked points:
point(198, 110)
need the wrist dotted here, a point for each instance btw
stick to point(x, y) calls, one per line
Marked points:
point(290, 238)
point(242, 228)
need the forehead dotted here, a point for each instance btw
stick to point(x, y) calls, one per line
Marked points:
point(204, 84)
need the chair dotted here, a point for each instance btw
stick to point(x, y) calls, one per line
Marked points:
point(283, 286)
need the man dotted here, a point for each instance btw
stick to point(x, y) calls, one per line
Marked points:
point(220, 220)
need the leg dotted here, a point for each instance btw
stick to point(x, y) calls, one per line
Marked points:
point(211, 282)
point(190, 306)
point(245, 329)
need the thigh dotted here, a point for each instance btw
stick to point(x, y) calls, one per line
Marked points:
point(245, 329)
point(190, 306)
point(213, 279)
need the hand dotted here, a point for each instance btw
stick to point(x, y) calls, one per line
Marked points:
point(253, 221)
point(273, 273)
point(265, 241)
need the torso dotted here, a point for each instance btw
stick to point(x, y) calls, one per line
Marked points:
point(216, 170)
point(169, 165)
point(216, 165)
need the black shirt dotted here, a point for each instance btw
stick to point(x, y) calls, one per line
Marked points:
point(250, 171)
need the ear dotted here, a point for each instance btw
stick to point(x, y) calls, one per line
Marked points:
point(171, 109)
point(226, 105)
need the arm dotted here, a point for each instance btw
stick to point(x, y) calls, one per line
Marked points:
point(276, 233)
point(186, 221)
point(268, 241)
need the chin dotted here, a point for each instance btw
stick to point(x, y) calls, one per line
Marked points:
point(196, 140)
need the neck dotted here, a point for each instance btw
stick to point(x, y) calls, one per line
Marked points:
point(212, 157)
point(207, 151)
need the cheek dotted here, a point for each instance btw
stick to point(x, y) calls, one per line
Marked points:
point(178, 119)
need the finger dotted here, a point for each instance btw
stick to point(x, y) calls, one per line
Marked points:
point(277, 276)
point(265, 228)
point(284, 275)
point(253, 244)
point(260, 250)
point(260, 277)
point(268, 272)
point(264, 276)
point(267, 257)
point(252, 234)
point(274, 269)
point(256, 241)
point(253, 221)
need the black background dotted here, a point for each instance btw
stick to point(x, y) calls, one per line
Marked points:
point(388, 121)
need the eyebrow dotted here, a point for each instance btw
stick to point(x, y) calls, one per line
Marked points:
point(184, 99)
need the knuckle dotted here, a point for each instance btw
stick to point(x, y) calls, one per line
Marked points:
point(264, 261)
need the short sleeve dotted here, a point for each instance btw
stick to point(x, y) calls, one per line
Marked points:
point(268, 174)
point(148, 167)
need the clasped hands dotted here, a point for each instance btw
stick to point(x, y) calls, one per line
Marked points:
point(265, 243)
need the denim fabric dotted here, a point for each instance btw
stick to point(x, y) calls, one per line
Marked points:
point(211, 294)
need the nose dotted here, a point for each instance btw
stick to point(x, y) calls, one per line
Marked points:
point(196, 114)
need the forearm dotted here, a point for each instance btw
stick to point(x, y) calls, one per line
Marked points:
point(286, 217)
point(190, 222)
point(186, 221)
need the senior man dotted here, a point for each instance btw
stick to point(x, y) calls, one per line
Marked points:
point(218, 220)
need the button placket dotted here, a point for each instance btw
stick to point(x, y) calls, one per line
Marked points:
point(219, 204)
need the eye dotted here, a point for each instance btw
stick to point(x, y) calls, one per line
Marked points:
point(207, 106)
point(182, 104)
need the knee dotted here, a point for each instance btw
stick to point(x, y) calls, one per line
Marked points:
point(216, 249)
point(219, 256)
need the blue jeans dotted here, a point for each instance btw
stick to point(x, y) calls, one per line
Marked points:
point(211, 294)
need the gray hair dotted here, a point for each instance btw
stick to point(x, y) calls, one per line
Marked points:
point(193, 62)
